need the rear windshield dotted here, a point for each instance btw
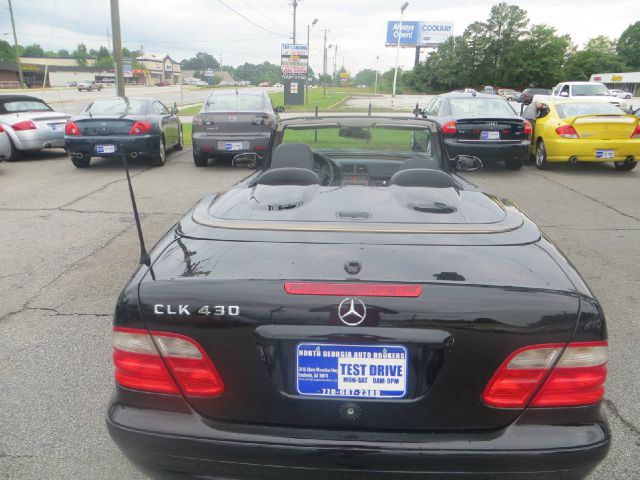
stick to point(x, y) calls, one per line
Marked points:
point(595, 89)
point(117, 106)
point(16, 106)
point(573, 109)
point(234, 103)
point(480, 106)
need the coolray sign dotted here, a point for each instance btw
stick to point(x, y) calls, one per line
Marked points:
point(418, 34)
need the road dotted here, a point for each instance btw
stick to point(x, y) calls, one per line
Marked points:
point(69, 245)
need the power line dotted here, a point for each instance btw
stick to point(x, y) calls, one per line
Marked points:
point(250, 21)
point(264, 14)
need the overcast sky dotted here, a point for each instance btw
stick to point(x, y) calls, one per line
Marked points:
point(358, 27)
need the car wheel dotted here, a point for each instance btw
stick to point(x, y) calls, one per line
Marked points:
point(14, 153)
point(513, 163)
point(80, 162)
point(180, 144)
point(541, 156)
point(158, 159)
point(625, 166)
point(200, 160)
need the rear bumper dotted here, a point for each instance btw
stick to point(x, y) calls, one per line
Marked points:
point(207, 144)
point(140, 144)
point(584, 149)
point(173, 445)
point(38, 139)
point(487, 151)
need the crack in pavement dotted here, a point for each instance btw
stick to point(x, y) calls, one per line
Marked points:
point(73, 210)
point(72, 314)
point(26, 306)
point(103, 187)
point(604, 204)
point(615, 412)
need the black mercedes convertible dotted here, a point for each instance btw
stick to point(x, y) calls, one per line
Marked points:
point(356, 309)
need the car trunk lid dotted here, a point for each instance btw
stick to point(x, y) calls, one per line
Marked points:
point(604, 127)
point(106, 125)
point(490, 130)
point(233, 123)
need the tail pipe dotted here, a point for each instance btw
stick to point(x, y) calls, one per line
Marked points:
point(134, 155)
point(573, 159)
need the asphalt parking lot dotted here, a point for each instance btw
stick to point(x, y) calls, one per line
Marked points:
point(69, 244)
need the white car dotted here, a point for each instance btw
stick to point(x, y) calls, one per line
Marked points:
point(5, 146)
point(620, 93)
point(89, 86)
point(30, 124)
point(588, 91)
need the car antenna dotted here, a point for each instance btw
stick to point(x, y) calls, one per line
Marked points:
point(145, 259)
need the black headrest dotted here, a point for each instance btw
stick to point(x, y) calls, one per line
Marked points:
point(422, 177)
point(289, 176)
point(297, 155)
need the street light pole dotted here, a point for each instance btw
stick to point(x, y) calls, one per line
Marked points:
point(375, 88)
point(306, 85)
point(324, 64)
point(117, 47)
point(395, 75)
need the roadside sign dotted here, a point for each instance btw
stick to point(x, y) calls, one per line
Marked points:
point(418, 34)
point(294, 60)
point(209, 72)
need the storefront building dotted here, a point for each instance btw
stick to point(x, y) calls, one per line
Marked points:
point(628, 81)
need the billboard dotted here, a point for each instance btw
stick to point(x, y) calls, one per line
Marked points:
point(418, 34)
point(294, 60)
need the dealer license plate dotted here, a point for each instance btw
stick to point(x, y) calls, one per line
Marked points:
point(604, 154)
point(56, 127)
point(484, 135)
point(233, 146)
point(361, 371)
point(105, 148)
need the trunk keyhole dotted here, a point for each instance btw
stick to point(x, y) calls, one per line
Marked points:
point(352, 267)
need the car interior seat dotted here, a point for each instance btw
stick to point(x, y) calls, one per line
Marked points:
point(291, 164)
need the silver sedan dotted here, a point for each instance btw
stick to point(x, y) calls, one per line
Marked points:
point(5, 146)
point(30, 124)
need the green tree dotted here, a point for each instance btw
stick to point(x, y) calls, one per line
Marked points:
point(365, 77)
point(542, 53)
point(628, 47)
point(598, 56)
point(63, 53)
point(33, 50)
point(201, 61)
point(81, 54)
point(7, 53)
point(104, 58)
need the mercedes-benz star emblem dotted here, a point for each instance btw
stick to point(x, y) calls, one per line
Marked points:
point(352, 311)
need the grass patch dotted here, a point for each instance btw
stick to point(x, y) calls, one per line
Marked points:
point(317, 97)
point(190, 110)
point(186, 130)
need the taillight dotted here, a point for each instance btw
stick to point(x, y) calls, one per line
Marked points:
point(263, 120)
point(24, 125)
point(197, 121)
point(528, 129)
point(577, 379)
point(352, 289)
point(140, 128)
point(450, 127)
point(567, 131)
point(71, 129)
point(163, 362)
point(1, 129)
point(636, 132)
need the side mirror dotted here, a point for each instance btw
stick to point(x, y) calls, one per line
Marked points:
point(466, 163)
point(417, 111)
point(245, 160)
point(279, 109)
point(564, 94)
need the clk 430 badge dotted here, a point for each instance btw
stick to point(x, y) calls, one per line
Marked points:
point(213, 310)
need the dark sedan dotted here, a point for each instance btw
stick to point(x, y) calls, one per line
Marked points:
point(529, 93)
point(232, 122)
point(132, 125)
point(356, 310)
point(485, 126)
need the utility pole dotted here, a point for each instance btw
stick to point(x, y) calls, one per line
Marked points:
point(294, 4)
point(395, 75)
point(16, 46)
point(117, 47)
point(324, 64)
point(375, 88)
point(306, 83)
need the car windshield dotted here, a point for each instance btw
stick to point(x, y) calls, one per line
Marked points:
point(17, 106)
point(575, 109)
point(480, 106)
point(595, 89)
point(364, 140)
point(117, 106)
point(234, 103)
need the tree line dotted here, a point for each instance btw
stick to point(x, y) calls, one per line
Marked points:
point(504, 51)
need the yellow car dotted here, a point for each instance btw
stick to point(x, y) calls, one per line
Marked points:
point(582, 131)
